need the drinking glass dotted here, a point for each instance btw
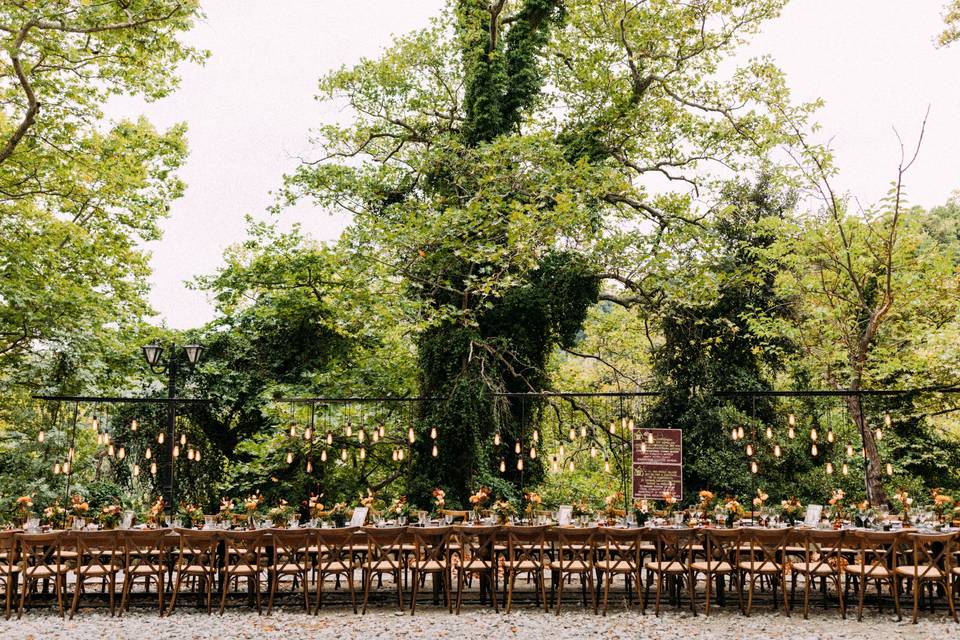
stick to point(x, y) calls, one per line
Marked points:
point(127, 520)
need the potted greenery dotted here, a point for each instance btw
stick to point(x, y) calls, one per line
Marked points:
point(109, 516)
point(280, 514)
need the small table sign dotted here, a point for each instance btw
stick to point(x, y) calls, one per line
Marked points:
point(359, 516)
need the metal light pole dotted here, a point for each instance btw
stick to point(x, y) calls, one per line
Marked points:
point(151, 354)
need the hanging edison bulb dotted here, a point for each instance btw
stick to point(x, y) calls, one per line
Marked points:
point(533, 453)
point(749, 449)
point(573, 434)
point(776, 450)
point(401, 454)
point(753, 467)
point(631, 425)
point(323, 456)
point(196, 455)
point(383, 431)
point(879, 434)
point(623, 422)
point(846, 469)
point(176, 451)
point(376, 435)
point(153, 468)
point(183, 439)
point(411, 436)
point(361, 435)
point(134, 425)
point(41, 436)
point(739, 433)
point(887, 421)
point(96, 423)
point(503, 465)
point(343, 454)
point(293, 431)
point(329, 437)
point(536, 435)
point(813, 449)
point(830, 436)
point(190, 454)
point(573, 467)
point(393, 455)
point(516, 448)
point(160, 438)
point(56, 469)
point(363, 453)
point(562, 453)
point(349, 430)
point(435, 452)
point(147, 453)
point(553, 466)
point(593, 451)
point(791, 433)
point(583, 431)
point(613, 426)
point(814, 435)
point(829, 468)
point(99, 439)
point(136, 470)
point(769, 433)
point(110, 451)
point(496, 438)
point(792, 420)
point(889, 469)
point(433, 433)
point(606, 465)
point(122, 453)
point(308, 434)
point(309, 466)
point(519, 464)
point(849, 451)
point(733, 434)
point(66, 467)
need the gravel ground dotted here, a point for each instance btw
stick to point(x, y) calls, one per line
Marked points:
point(475, 623)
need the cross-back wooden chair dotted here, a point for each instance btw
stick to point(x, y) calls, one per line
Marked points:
point(243, 557)
point(40, 560)
point(619, 553)
point(196, 561)
point(931, 562)
point(525, 555)
point(673, 555)
point(574, 556)
point(335, 557)
point(385, 550)
point(876, 553)
point(8, 567)
point(291, 558)
point(99, 557)
point(146, 556)
point(822, 558)
point(431, 556)
point(765, 551)
point(720, 549)
point(478, 555)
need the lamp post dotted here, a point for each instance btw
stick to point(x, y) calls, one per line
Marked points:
point(152, 354)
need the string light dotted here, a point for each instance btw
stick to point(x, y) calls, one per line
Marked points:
point(846, 469)
point(879, 434)
point(889, 469)
point(147, 453)
point(393, 455)
point(190, 454)
point(96, 423)
point(519, 464)
point(134, 425)
point(122, 453)
point(623, 422)
point(308, 434)
point(41, 436)
point(496, 438)
point(309, 466)
point(740, 433)
point(630, 425)
point(830, 436)
point(323, 456)
point(573, 467)
point(401, 455)
point(829, 468)
point(733, 434)
point(196, 455)
point(136, 470)
point(813, 435)
point(361, 435)
point(613, 426)
point(593, 452)
point(503, 465)
point(849, 451)
point(349, 430)
point(887, 421)
point(753, 467)
point(813, 449)
point(376, 435)
point(516, 447)
point(769, 433)
point(176, 451)
point(562, 451)
point(56, 469)
point(792, 420)
point(153, 468)
point(749, 449)
point(435, 452)
point(363, 453)
point(343, 454)
point(110, 451)
point(433, 433)
point(160, 438)
point(293, 431)
point(329, 437)
point(183, 439)
point(791, 423)
point(606, 465)
point(66, 467)
point(383, 431)
point(411, 436)
point(536, 436)
point(573, 434)
point(583, 431)
point(776, 450)
point(533, 453)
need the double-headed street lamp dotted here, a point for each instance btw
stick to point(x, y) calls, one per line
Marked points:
point(152, 354)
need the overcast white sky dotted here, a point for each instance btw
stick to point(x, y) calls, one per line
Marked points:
point(250, 107)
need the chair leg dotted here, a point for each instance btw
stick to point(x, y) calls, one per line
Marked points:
point(76, 596)
point(399, 577)
point(708, 580)
point(367, 577)
point(159, 591)
point(510, 580)
point(916, 598)
point(559, 594)
point(413, 593)
point(606, 589)
point(752, 579)
point(273, 591)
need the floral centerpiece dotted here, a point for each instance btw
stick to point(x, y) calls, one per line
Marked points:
point(864, 513)
point(479, 500)
point(190, 514)
point(55, 515)
point(941, 504)
point(760, 500)
point(79, 508)
point(837, 511)
point(581, 509)
point(733, 510)
point(23, 509)
point(705, 502)
point(109, 516)
point(155, 514)
point(504, 510)
point(905, 503)
point(399, 509)
point(439, 500)
point(339, 514)
point(228, 509)
point(315, 507)
point(280, 514)
point(250, 506)
point(669, 502)
point(611, 506)
point(641, 509)
point(532, 502)
point(791, 510)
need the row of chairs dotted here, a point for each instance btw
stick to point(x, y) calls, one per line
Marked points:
point(666, 560)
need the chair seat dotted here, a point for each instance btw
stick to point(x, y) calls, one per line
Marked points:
point(955, 571)
point(196, 570)
point(44, 571)
point(244, 570)
point(573, 566)
point(144, 570)
point(430, 565)
point(289, 567)
point(665, 567)
point(873, 570)
point(923, 572)
point(761, 567)
point(384, 565)
point(615, 566)
point(714, 566)
point(91, 571)
point(814, 568)
point(523, 565)
point(334, 566)
point(475, 564)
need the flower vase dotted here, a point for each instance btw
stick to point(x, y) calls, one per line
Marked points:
point(730, 521)
point(339, 520)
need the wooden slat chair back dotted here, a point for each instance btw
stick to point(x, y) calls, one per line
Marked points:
point(931, 561)
point(291, 558)
point(822, 558)
point(336, 549)
point(479, 556)
point(99, 557)
point(385, 552)
point(673, 555)
point(526, 552)
point(197, 561)
point(765, 550)
point(619, 552)
point(876, 553)
point(8, 567)
point(146, 556)
point(575, 549)
point(244, 556)
point(40, 559)
point(721, 554)
point(431, 555)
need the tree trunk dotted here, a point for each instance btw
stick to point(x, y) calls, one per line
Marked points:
point(872, 468)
